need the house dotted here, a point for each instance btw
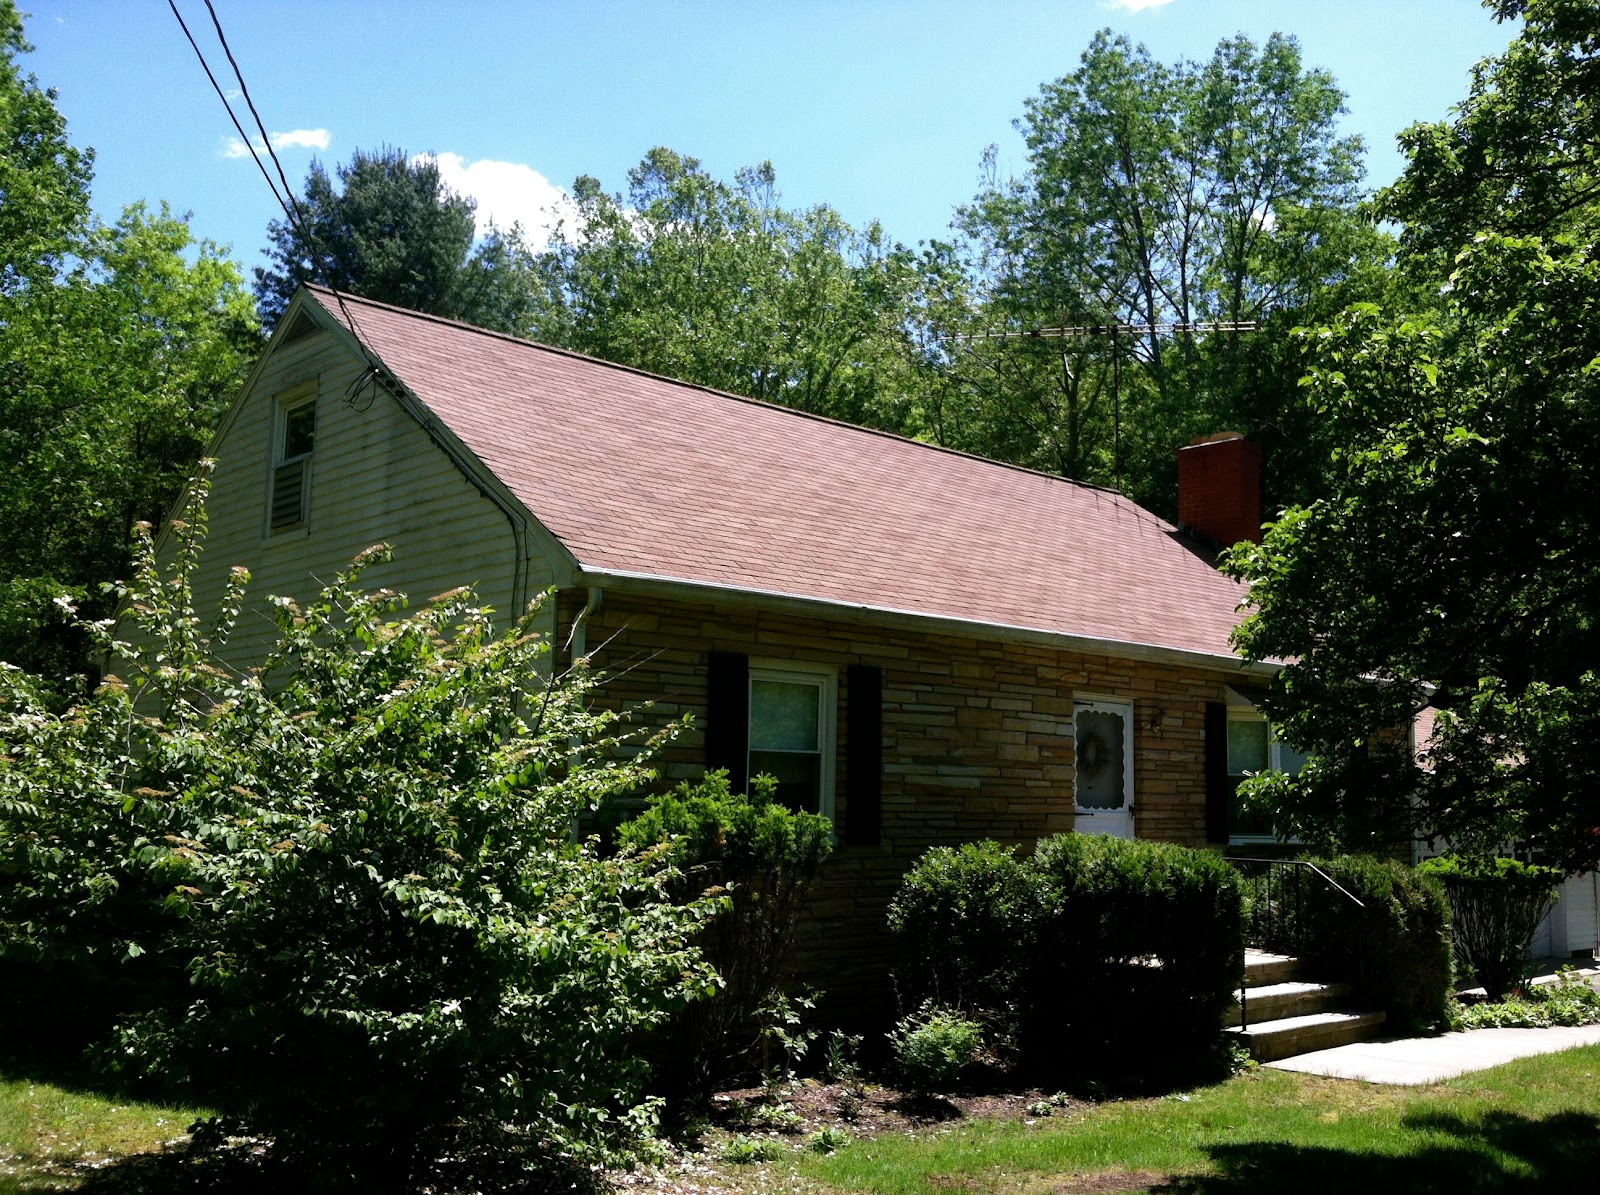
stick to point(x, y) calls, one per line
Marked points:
point(926, 646)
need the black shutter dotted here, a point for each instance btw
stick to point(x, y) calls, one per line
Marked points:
point(1219, 788)
point(863, 761)
point(728, 717)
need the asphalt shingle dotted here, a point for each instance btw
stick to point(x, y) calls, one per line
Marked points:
point(641, 474)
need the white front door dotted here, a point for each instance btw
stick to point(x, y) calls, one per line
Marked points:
point(1102, 796)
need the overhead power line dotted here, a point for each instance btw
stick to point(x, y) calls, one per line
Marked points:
point(285, 197)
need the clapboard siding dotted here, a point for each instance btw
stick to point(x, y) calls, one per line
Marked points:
point(376, 476)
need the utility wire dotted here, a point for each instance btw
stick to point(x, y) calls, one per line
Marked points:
point(286, 197)
point(221, 95)
point(266, 140)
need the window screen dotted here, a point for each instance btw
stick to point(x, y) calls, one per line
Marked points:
point(1247, 747)
point(786, 738)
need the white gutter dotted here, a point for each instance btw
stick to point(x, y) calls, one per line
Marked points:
point(578, 639)
point(914, 620)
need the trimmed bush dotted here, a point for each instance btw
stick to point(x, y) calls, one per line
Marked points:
point(1146, 948)
point(1395, 948)
point(1497, 904)
point(1099, 953)
point(763, 859)
point(968, 921)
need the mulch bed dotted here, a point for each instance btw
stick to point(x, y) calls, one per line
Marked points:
point(794, 1112)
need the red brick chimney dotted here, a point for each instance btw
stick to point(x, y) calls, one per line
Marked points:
point(1219, 488)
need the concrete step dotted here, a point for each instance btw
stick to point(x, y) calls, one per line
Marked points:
point(1274, 1000)
point(1262, 968)
point(1269, 1041)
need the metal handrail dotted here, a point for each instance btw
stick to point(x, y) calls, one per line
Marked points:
point(1244, 1007)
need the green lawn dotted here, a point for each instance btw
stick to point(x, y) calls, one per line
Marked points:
point(51, 1138)
point(1533, 1125)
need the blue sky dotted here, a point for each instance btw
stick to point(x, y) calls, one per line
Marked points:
point(878, 107)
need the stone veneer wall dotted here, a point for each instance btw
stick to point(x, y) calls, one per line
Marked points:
point(977, 743)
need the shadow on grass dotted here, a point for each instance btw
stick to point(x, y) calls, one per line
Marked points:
point(1501, 1152)
point(247, 1172)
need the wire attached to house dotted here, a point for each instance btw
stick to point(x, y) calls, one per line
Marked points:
point(375, 373)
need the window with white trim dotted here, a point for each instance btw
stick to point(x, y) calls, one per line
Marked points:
point(1254, 747)
point(295, 437)
point(793, 710)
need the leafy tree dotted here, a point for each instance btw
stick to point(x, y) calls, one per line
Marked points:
point(116, 371)
point(119, 347)
point(1521, 156)
point(717, 283)
point(349, 874)
point(44, 181)
point(393, 231)
point(1154, 194)
point(1454, 565)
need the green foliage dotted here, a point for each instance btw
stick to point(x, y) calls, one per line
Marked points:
point(968, 921)
point(354, 870)
point(933, 1046)
point(1153, 194)
point(718, 283)
point(1570, 1000)
point(1496, 904)
point(745, 1151)
point(778, 1117)
point(1150, 939)
point(828, 1139)
point(1518, 155)
point(1452, 563)
point(44, 180)
point(120, 345)
point(1146, 937)
point(393, 231)
point(840, 1060)
point(1395, 947)
point(760, 859)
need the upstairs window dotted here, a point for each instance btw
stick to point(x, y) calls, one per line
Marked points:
point(291, 469)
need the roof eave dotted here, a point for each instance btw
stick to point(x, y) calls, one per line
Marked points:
point(915, 620)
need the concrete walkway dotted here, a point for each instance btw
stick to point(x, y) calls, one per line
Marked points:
point(1413, 1060)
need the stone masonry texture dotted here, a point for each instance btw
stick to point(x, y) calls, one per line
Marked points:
point(977, 743)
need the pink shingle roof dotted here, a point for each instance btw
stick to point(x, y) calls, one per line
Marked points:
point(639, 474)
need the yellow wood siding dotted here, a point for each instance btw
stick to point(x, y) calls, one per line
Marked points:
point(376, 476)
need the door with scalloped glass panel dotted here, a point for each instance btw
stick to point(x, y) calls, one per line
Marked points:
point(1102, 733)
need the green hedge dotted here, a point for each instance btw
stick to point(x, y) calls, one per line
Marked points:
point(1147, 949)
point(1395, 948)
point(1098, 953)
point(968, 921)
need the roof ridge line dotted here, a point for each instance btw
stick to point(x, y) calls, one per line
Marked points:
point(744, 398)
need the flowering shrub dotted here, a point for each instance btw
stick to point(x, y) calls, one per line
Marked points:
point(350, 873)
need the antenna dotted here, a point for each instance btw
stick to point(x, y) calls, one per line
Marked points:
point(1114, 332)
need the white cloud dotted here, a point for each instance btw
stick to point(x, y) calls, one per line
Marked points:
point(293, 139)
point(1138, 5)
point(508, 193)
point(300, 139)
